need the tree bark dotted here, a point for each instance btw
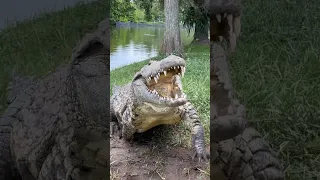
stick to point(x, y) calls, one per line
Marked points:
point(172, 39)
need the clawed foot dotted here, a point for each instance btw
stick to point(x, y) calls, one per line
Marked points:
point(200, 152)
point(225, 22)
point(201, 156)
point(115, 129)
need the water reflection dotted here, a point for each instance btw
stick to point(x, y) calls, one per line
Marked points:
point(138, 43)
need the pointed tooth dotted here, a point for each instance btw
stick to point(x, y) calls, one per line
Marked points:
point(155, 79)
point(233, 42)
point(176, 96)
point(165, 73)
point(174, 67)
point(230, 23)
point(218, 16)
point(237, 25)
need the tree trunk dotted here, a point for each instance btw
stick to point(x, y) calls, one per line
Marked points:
point(172, 39)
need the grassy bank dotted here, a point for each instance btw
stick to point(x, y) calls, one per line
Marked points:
point(40, 45)
point(276, 74)
point(196, 84)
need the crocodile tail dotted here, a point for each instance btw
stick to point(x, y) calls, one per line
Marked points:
point(17, 85)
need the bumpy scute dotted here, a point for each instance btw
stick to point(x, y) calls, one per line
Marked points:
point(249, 157)
point(227, 114)
point(56, 127)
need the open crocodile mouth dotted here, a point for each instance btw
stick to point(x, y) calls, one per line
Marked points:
point(167, 83)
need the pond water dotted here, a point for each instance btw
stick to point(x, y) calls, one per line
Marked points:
point(130, 44)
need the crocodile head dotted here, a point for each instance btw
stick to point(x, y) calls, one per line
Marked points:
point(159, 82)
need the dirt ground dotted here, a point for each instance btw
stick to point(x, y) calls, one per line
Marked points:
point(143, 159)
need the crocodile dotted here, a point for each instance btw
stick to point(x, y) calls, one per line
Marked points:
point(56, 127)
point(155, 97)
point(239, 151)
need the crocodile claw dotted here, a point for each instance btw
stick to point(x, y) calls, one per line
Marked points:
point(200, 151)
point(201, 156)
point(115, 129)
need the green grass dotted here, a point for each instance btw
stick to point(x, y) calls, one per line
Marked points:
point(196, 84)
point(38, 46)
point(276, 74)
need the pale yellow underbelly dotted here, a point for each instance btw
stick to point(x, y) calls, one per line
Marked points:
point(149, 116)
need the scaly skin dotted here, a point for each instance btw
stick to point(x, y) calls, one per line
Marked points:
point(57, 127)
point(240, 152)
point(248, 157)
point(134, 109)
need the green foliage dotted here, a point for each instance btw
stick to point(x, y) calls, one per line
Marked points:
point(152, 9)
point(157, 11)
point(136, 11)
point(122, 10)
point(193, 14)
point(146, 5)
point(139, 16)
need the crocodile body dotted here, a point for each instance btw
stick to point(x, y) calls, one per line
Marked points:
point(155, 97)
point(239, 151)
point(56, 127)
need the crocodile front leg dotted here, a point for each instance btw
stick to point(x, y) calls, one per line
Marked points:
point(126, 126)
point(191, 119)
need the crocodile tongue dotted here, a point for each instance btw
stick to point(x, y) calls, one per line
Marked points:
point(168, 86)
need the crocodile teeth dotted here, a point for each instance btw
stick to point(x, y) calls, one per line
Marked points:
point(237, 25)
point(218, 16)
point(176, 96)
point(174, 67)
point(165, 73)
point(155, 79)
point(182, 71)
